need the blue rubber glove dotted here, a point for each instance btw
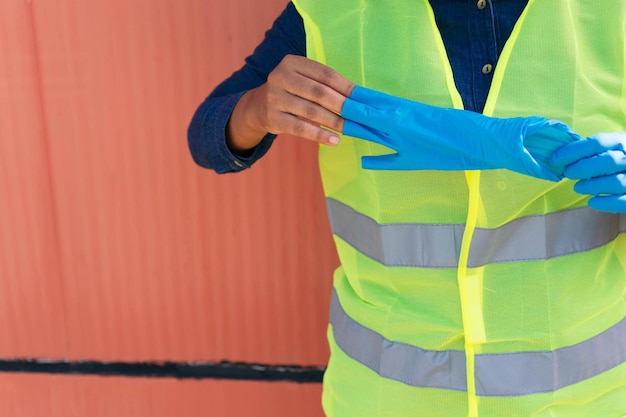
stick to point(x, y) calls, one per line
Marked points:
point(428, 137)
point(599, 163)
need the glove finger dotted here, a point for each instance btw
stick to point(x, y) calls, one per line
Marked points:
point(375, 99)
point(382, 162)
point(387, 113)
point(365, 115)
point(590, 146)
point(610, 184)
point(357, 130)
point(606, 163)
point(611, 203)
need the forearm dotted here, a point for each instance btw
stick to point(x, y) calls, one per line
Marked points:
point(212, 125)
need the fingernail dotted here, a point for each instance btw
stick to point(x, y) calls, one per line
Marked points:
point(333, 140)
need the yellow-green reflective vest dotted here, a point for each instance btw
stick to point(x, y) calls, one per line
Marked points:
point(475, 293)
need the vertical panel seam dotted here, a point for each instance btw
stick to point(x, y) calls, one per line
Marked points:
point(48, 160)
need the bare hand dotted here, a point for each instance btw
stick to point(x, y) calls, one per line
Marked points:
point(299, 97)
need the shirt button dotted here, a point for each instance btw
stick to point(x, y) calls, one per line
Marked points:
point(239, 164)
point(487, 68)
point(481, 4)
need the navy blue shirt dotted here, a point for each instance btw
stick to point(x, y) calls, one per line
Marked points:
point(473, 32)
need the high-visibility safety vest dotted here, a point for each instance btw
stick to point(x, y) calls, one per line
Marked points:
point(476, 294)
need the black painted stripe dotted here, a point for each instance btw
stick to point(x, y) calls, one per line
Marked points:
point(181, 370)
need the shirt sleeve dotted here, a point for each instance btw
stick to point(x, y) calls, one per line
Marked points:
point(206, 134)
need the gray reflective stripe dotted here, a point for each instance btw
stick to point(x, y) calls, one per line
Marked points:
point(524, 373)
point(509, 374)
point(418, 245)
point(401, 362)
point(545, 237)
point(438, 245)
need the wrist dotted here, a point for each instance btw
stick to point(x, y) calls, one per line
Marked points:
point(243, 132)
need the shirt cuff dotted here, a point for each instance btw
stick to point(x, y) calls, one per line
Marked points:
point(207, 137)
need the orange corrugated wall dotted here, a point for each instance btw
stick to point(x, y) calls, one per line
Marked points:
point(114, 246)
